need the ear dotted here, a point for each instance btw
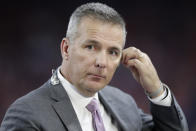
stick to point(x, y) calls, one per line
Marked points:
point(64, 48)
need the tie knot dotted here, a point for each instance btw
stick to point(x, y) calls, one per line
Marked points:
point(93, 105)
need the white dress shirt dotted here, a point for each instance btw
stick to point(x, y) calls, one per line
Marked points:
point(80, 102)
point(164, 99)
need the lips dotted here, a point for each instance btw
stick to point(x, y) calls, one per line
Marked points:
point(97, 75)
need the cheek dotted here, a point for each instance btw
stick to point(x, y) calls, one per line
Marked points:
point(112, 68)
point(81, 62)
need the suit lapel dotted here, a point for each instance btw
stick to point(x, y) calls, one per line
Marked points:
point(121, 112)
point(63, 106)
point(67, 115)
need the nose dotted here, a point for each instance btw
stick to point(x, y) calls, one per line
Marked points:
point(101, 60)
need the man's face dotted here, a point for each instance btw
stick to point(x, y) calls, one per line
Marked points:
point(94, 55)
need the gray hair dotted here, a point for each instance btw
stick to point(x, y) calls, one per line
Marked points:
point(97, 11)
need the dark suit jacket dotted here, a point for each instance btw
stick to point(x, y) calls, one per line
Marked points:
point(48, 108)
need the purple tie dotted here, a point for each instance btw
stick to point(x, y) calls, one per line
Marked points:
point(97, 120)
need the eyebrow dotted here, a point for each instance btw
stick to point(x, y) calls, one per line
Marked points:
point(92, 41)
point(117, 49)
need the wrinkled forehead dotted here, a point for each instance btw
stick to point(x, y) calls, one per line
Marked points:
point(104, 30)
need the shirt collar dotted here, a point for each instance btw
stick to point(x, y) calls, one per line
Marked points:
point(73, 93)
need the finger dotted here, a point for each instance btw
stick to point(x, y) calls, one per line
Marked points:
point(135, 67)
point(131, 53)
point(124, 55)
point(136, 64)
point(135, 73)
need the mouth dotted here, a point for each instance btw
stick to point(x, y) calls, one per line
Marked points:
point(97, 75)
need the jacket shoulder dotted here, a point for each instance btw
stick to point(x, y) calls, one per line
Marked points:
point(114, 92)
point(24, 112)
point(40, 93)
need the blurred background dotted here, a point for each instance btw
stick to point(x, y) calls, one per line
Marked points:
point(31, 32)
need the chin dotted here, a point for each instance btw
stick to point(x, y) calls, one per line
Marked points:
point(94, 86)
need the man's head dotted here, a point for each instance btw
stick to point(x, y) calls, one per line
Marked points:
point(92, 50)
point(96, 11)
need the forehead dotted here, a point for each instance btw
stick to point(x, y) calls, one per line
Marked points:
point(103, 31)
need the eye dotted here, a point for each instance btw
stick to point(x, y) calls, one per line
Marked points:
point(112, 52)
point(90, 47)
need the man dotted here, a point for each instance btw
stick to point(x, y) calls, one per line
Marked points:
point(91, 52)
